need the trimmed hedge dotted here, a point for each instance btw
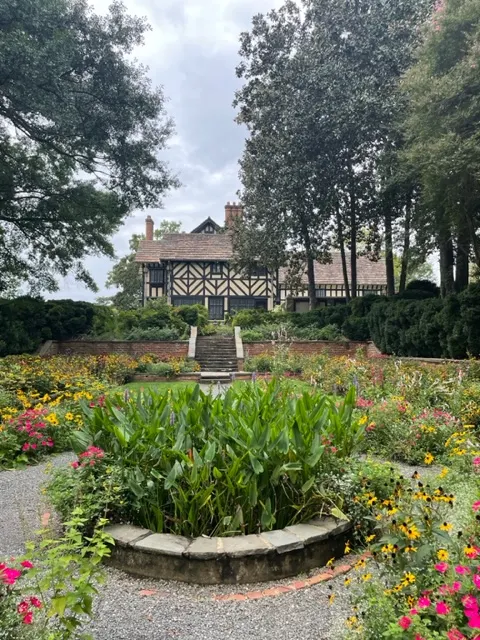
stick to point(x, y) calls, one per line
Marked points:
point(27, 322)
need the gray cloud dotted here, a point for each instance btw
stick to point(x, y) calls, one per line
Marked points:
point(192, 51)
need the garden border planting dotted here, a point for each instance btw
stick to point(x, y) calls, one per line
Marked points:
point(247, 559)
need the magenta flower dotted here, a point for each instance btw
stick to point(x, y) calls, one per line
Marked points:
point(461, 570)
point(26, 564)
point(442, 567)
point(476, 580)
point(405, 622)
point(442, 608)
point(476, 505)
point(424, 602)
point(28, 618)
point(9, 576)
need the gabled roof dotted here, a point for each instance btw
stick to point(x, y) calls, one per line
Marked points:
point(187, 247)
point(205, 223)
point(368, 271)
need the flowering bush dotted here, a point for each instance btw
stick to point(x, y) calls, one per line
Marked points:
point(427, 569)
point(48, 594)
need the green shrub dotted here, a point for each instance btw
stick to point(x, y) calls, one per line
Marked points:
point(329, 332)
point(154, 333)
point(195, 315)
point(253, 335)
point(250, 318)
point(160, 369)
point(424, 285)
point(27, 322)
point(195, 464)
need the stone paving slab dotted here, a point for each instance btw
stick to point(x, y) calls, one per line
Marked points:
point(308, 532)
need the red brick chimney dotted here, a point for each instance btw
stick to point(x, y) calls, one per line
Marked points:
point(149, 228)
point(233, 211)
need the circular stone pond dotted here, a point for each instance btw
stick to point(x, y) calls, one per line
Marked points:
point(230, 560)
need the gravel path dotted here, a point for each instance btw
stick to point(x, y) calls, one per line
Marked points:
point(175, 610)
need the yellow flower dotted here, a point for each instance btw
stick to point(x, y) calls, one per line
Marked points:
point(69, 416)
point(348, 548)
point(370, 538)
point(367, 577)
point(52, 418)
point(428, 458)
point(347, 581)
point(409, 578)
point(360, 564)
point(410, 549)
point(413, 533)
point(351, 621)
point(330, 562)
point(446, 526)
point(363, 420)
point(442, 555)
point(331, 598)
point(388, 548)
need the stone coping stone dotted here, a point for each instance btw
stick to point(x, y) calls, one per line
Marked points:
point(271, 555)
point(165, 543)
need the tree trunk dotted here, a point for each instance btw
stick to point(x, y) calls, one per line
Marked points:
point(389, 252)
point(353, 235)
point(475, 241)
point(463, 257)
point(406, 246)
point(446, 262)
point(312, 293)
point(341, 241)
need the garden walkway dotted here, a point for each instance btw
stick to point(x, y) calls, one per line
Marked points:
point(144, 609)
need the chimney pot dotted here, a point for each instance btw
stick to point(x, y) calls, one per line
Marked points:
point(149, 228)
point(232, 212)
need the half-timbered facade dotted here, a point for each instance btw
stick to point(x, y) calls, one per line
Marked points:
point(199, 268)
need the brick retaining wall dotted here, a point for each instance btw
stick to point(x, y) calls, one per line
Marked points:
point(349, 349)
point(103, 347)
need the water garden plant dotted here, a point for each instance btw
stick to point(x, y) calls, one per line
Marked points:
point(193, 464)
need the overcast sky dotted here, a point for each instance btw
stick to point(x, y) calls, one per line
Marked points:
point(192, 51)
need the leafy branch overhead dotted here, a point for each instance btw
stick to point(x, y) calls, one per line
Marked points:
point(81, 129)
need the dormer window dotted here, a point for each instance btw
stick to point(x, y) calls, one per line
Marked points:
point(216, 269)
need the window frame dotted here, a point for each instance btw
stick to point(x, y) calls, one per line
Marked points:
point(213, 268)
point(152, 281)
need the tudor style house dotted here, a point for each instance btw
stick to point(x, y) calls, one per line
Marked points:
point(198, 268)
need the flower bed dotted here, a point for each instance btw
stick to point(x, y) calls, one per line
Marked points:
point(190, 464)
point(40, 397)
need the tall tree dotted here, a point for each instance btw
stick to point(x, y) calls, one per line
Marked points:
point(320, 101)
point(80, 134)
point(125, 275)
point(441, 129)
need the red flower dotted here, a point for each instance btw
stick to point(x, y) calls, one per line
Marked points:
point(28, 618)
point(9, 576)
point(455, 634)
point(405, 622)
point(476, 505)
point(23, 607)
point(35, 602)
point(27, 564)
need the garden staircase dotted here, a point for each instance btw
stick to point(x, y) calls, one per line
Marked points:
point(216, 354)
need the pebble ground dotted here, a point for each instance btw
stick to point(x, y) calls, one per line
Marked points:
point(143, 609)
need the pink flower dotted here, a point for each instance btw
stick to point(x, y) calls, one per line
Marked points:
point(26, 446)
point(413, 612)
point(455, 634)
point(456, 586)
point(461, 570)
point(424, 602)
point(23, 607)
point(405, 622)
point(75, 464)
point(476, 580)
point(476, 505)
point(476, 462)
point(470, 603)
point(9, 576)
point(28, 618)
point(441, 567)
point(35, 602)
point(419, 637)
point(474, 620)
point(442, 608)
point(26, 564)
